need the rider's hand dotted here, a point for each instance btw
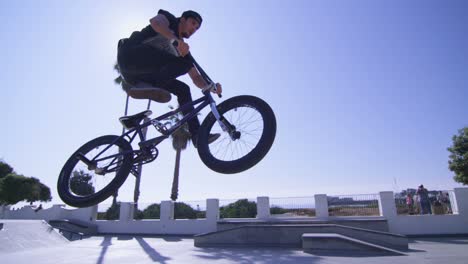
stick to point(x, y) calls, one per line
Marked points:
point(214, 88)
point(183, 48)
point(219, 89)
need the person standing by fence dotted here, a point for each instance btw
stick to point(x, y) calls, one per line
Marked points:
point(410, 204)
point(424, 200)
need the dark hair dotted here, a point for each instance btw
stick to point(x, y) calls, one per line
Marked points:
point(192, 14)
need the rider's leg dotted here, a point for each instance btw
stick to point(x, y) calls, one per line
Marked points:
point(147, 64)
point(182, 91)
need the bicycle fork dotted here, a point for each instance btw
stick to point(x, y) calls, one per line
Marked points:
point(224, 123)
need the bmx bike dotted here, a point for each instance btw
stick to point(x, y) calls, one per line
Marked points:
point(96, 170)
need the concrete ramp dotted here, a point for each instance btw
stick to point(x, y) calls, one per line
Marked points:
point(16, 235)
point(291, 236)
point(74, 229)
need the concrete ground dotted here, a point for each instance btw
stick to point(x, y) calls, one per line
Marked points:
point(137, 249)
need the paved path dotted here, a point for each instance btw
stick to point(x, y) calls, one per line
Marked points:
point(135, 250)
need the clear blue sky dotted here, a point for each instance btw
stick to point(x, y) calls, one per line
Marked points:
point(367, 94)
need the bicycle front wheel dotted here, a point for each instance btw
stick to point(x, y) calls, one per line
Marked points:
point(95, 171)
point(254, 128)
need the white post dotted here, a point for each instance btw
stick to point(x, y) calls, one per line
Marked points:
point(387, 206)
point(212, 214)
point(4, 209)
point(126, 212)
point(93, 213)
point(167, 211)
point(461, 200)
point(263, 207)
point(321, 205)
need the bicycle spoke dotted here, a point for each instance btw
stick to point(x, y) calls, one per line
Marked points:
point(249, 123)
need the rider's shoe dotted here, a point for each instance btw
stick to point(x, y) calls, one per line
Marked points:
point(211, 138)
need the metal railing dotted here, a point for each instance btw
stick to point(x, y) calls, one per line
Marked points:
point(292, 206)
point(353, 205)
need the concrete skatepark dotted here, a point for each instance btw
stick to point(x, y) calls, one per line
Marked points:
point(172, 249)
point(75, 236)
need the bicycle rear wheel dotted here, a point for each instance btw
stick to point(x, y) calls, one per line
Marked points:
point(254, 126)
point(95, 171)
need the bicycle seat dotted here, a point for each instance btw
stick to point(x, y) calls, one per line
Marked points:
point(132, 121)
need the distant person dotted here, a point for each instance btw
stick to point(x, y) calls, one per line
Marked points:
point(410, 204)
point(38, 208)
point(443, 198)
point(424, 201)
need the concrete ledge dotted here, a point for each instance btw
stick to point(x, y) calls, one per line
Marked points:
point(372, 223)
point(337, 242)
point(291, 235)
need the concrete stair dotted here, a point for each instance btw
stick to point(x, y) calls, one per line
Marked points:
point(290, 235)
point(73, 229)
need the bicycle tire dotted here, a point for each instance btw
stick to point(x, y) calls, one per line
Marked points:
point(250, 158)
point(123, 168)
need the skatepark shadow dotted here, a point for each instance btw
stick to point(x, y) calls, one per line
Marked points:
point(243, 255)
point(151, 252)
point(105, 244)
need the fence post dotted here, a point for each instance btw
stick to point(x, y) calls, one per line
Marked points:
point(126, 212)
point(387, 206)
point(321, 205)
point(212, 214)
point(461, 200)
point(167, 211)
point(4, 209)
point(263, 207)
point(93, 213)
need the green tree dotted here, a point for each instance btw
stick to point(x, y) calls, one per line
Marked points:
point(5, 169)
point(16, 188)
point(184, 211)
point(240, 209)
point(458, 162)
point(80, 183)
point(277, 210)
point(152, 212)
point(113, 212)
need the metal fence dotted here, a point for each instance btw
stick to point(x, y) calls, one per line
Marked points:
point(353, 205)
point(238, 208)
point(292, 206)
point(108, 211)
point(439, 203)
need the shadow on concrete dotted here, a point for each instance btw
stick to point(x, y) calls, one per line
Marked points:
point(105, 244)
point(257, 255)
point(152, 253)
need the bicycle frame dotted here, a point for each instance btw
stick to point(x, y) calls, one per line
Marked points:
point(131, 134)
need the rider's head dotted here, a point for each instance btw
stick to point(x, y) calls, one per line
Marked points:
point(190, 22)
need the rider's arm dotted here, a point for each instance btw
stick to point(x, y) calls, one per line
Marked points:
point(200, 82)
point(197, 78)
point(160, 24)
